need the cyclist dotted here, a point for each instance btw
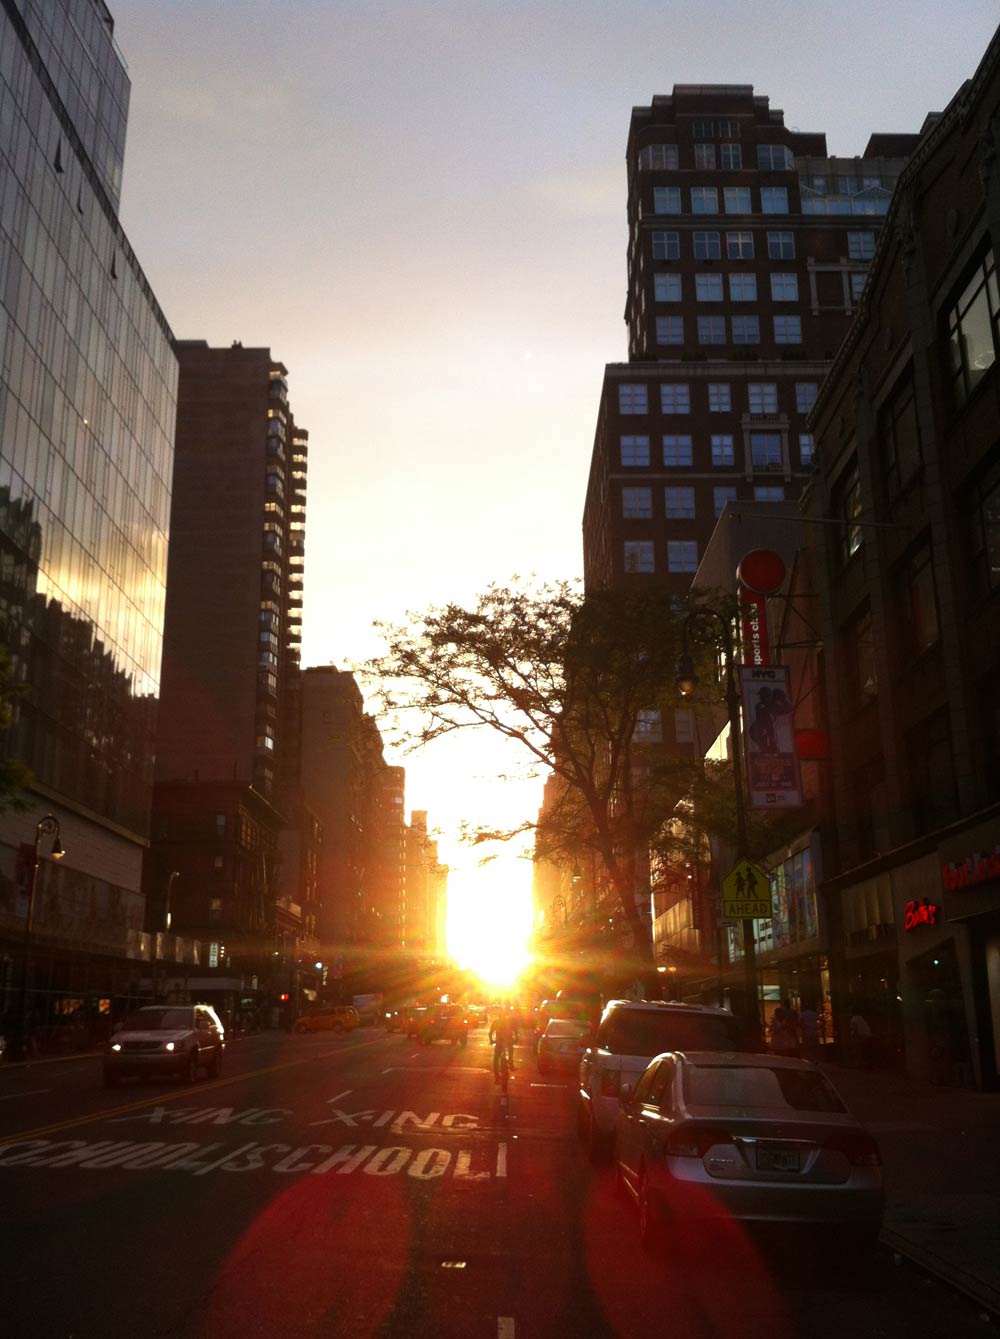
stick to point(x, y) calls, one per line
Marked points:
point(503, 1034)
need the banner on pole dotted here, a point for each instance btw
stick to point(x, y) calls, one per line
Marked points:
point(774, 780)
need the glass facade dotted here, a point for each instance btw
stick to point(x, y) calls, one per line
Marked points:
point(88, 383)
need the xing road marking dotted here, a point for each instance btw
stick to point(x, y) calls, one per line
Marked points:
point(505, 1327)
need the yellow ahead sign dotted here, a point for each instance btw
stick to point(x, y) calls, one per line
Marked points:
point(746, 892)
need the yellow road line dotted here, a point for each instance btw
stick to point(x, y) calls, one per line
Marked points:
point(162, 1098)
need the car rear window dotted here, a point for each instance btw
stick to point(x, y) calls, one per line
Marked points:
point(564, 1027)
point(641, 1032)
point(750, 1086)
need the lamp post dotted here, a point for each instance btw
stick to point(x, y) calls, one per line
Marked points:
point(687, 682)
point(48, 825)
point(559, 904)
point(174, 874)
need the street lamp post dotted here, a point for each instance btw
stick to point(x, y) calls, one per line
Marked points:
point(559, 904)
point(687, 682)
point(174, 874)
point(49, 825)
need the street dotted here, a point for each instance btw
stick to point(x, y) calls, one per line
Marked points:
point(365, 1185)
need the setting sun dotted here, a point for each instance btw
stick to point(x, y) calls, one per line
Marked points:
point(489, 920)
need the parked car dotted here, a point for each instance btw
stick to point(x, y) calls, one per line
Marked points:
point(175, 1039)
point(446, 1023)
point(756, 1138)
point(559, 1046)
point(330, 1018)
point(628, 1036)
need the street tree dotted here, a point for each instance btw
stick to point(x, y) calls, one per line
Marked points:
point(582, 685)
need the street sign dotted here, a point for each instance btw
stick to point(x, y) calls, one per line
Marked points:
point(746, 892)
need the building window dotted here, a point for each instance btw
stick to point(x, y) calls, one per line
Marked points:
point(648, 727)
point(983, 515)
point(788, 330)
point(677, 449)
point(635, 450)
point(639, 555)
point(666, 199)
point(765, 450)
point(719, 398)
point(781, 246)
point(972, 330)
point(632, 398)
point(860, 245)
point(680, 504)
point(899, 436)
point(220, 826)
point(666, 245)
point(805, 396)
point(762, 397)
point(722, 449)
point(727, 129)
point(667, 287)
point(707, 246)
point(920, 604)
point(704, 200)
point(711, 330)
point(704, 155)
point(215, 910)
point(637, 503)
point(739, 245)
point(743, 287)
point(670, 330)
point(774, 199)
point(773, 157)
point(861, 672)
point(702, 129)
point(746, 329)
point(683, 725)
point(858, 280)
point(932, 773)
point(682, 555)
point(737, 200)
point(708, 287)
point(675, 398)
point(731, 157)
point(768, 493)
point(659, 157)
point(806, 448)
point(722, 494)
point(784, 288)
point(847, 509)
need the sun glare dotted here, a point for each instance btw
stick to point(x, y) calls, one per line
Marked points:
point(489, 920)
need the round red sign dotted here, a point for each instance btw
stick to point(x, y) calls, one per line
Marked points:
point(762, 571)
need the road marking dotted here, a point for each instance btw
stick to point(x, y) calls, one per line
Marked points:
point(505, 1327)
point(346, 1093)
point(94, 1118)
point(502, 1163)
point(386, 1071)
point(549, 1085)
point(33, 1093)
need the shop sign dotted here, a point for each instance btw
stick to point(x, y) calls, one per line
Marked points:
point(979, 867)
point(919, 913)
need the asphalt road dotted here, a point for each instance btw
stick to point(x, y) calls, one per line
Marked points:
point(365, 1186)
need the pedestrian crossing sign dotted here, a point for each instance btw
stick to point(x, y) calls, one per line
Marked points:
point(746, 892)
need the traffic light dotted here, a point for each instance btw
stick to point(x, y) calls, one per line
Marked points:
point(284, 997)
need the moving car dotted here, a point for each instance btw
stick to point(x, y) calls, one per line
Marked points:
point(446, 1023)
point(629, 1035)
point(415, 1020)
point(755, 1138)
point(330, 1018)
point(560, 1045)
point(176, 1039)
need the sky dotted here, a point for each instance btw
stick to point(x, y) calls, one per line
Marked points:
point(420, 208)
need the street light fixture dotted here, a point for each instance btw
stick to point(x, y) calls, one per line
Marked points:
point(687, 683)
point(167, 914)
point(47, 825)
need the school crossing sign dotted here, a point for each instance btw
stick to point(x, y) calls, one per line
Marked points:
point(746, 892)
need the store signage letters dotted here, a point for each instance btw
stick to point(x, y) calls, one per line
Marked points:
point(979, 867)
point(919, 913)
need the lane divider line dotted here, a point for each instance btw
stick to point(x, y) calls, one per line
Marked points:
point(502, 1163)
point(34, 1092)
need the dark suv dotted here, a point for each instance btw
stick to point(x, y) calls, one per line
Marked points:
point(166, 1039)
point(446, 1023)
point(629, 1035)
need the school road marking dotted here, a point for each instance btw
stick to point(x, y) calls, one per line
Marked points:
point(160, 1099)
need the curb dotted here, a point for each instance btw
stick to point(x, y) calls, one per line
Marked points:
point(962, 1280)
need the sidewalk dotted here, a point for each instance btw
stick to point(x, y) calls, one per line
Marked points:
point(941, 1152)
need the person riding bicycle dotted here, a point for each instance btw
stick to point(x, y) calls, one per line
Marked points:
point(503, 1034)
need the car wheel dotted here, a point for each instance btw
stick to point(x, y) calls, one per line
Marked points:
point(650, 1221)
point(215, 1064)
point(598, 1144)
point(301, 1028)
point(190, 1073)
point(338, 1027)
point(111, 1080)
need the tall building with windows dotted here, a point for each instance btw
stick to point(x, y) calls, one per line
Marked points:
point(88, 383)
point(747, 255)
point(227, 741)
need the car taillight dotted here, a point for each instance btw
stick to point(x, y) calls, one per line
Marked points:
point(858, 1148)
point(611, 1083)
point(694, 1141)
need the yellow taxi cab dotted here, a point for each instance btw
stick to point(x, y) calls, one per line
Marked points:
point(329, 1018)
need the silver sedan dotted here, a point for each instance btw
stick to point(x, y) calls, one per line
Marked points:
point(751, 1138)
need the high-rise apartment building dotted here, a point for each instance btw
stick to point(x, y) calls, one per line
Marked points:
point(747, 255)
point(87, 408)
point(227, 744)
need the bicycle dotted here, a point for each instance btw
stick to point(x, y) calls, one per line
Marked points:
point(504, 1071)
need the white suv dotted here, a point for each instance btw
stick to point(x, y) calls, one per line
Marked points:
point(166, 1039)
point(629, 1035)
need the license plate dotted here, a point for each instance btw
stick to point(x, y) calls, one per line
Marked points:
point(777, 1160)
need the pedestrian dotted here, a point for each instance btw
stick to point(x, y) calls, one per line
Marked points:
point(809, 1024)
point(785, 1030)
point(861, 1037)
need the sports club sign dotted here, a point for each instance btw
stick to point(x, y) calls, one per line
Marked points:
point(772, 763)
